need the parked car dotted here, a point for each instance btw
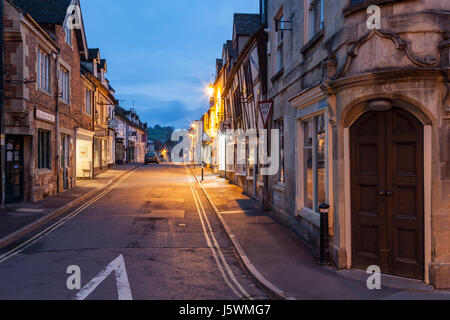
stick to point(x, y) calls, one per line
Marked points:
point(151, 158)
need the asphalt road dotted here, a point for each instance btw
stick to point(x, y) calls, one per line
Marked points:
point(152, 235)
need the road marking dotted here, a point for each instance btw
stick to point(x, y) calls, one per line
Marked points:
point(166, 214)
point(165, 200)
point(60, 222)
point(250, 211)
point(216, 244)
point(26, 210)
point(120, 271)
point(208, 241)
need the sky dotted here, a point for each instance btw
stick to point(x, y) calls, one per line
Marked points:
point(161, 54)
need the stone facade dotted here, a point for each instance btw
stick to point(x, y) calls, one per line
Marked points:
point(328, 72)
point(31, 109)
point(341, 69)
point(59, 103)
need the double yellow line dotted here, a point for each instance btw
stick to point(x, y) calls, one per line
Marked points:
point(212, 243)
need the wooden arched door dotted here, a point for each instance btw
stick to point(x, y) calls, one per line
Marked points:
point(387, 193)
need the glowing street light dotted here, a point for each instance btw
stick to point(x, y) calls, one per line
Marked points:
point(210, 91)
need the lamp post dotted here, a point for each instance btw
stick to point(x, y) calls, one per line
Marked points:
point(324, 235)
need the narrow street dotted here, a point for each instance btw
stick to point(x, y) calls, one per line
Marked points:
point(157, 218)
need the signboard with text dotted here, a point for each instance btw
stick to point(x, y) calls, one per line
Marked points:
point(45, 116)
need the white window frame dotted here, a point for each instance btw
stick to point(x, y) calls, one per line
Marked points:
point(68, 35)
point(88, 101)
point(43, 71)
point(64, 84)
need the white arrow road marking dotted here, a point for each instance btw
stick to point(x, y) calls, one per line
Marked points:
point(123, 286)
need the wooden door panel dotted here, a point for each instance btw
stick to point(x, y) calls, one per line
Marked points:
point(367, 169)
point(405, 207)
point(387, 192)
point(405, 252)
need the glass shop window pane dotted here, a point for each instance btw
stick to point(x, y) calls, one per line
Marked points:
point(321, 163)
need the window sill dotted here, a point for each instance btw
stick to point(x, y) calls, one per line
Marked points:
point(364, 5)
point(309, 216)
point(277, 75)
point(312, 42)
point(45, 92)
point(280, 187)
point(63, 102)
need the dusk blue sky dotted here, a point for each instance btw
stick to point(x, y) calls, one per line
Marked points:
point(161, 54)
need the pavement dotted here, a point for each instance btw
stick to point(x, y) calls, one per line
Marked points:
point(21, 218)
point(283, 265)
point(149, 235)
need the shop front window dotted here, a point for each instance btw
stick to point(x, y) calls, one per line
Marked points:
point(314, 162)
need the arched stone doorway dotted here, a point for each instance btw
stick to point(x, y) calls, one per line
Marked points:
point(387, 192)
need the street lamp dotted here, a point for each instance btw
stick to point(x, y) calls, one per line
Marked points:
point(210, 90)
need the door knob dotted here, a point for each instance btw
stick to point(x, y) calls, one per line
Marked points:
point(382, 193)
point(388, 193)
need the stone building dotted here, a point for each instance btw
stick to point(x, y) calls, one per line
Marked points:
point(131, 137)
point(244, 86)
point(100, 94)
point(366, 130)
point(363, 116)
point(59, 103)
point(42, 59)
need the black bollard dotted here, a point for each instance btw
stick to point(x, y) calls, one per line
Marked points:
point(324, 234)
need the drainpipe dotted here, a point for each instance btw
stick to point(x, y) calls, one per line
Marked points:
point(2, 116)
point(57, 123)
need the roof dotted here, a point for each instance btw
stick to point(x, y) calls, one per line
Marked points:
point(93, 53)
point(122, 114)
point(52, 12)
point(228, 47)
point(246, 24)
point(45, 11)
point(102, 64)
